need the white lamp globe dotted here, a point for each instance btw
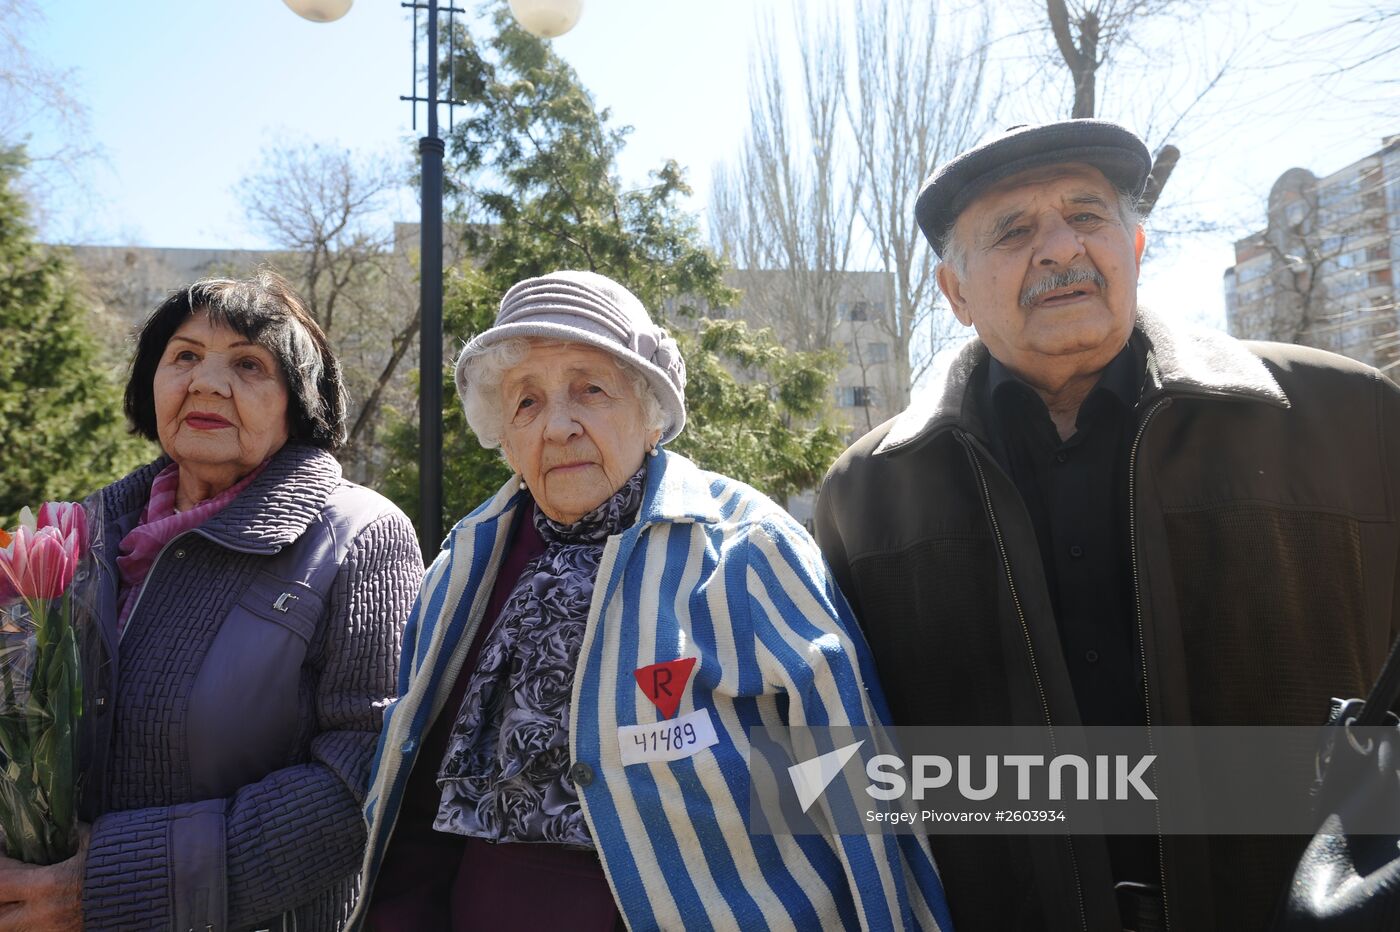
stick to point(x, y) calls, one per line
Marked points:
point(546, 18)
point(320, 11)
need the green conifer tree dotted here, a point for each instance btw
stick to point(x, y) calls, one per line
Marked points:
point(62, 430)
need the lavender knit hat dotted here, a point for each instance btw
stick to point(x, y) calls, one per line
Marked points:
point(585, 307)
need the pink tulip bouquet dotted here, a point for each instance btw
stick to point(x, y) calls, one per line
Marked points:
point(41, 623)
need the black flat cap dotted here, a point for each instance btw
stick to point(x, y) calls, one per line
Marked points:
point(1113, 150)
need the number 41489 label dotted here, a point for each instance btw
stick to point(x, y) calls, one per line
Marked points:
point(667, 740)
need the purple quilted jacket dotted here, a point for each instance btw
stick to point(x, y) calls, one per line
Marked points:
point(232, 725)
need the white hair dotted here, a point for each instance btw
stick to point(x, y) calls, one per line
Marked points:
point(953, 250)
point(485, 368)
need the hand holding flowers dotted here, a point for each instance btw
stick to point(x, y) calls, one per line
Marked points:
point(35, 898)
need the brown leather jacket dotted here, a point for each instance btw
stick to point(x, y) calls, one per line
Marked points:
point(1265, 521)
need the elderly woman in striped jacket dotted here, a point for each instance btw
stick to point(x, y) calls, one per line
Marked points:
point(613, 591)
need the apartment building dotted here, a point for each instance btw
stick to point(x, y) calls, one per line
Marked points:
point(849, 312)
point(1323, 272)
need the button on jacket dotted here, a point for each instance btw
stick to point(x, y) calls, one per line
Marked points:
point(711, 570)
point(1263, 488)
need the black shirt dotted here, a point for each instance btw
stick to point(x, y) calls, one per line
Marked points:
point(1076, 492)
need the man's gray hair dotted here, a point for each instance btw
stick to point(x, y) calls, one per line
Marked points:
point(486, 367)
point(954, 251)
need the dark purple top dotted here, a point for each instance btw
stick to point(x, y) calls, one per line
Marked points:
point(432, 880)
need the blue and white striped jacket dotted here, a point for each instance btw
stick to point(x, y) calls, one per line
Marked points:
point(714, 570)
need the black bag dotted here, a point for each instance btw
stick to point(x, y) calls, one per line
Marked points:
point(1346, 882)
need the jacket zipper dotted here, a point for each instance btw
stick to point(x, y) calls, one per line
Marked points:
point(1030, 650)
point(132, 614)
point(160, 553)
point(1142, 640)
point(142, 594)
point(103, 755)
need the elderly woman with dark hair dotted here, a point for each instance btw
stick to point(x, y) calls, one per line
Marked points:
point(588, 652)
point(251, 604)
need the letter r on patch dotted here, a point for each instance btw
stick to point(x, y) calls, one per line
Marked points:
point(664, 683)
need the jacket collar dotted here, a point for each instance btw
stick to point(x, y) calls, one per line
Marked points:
point(270, 513)
point(123, 500)
point(1182, 359)
point(280, 503)
point(679, 492)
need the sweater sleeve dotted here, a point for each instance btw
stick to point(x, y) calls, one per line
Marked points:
point(815, 650)
point(277, 842)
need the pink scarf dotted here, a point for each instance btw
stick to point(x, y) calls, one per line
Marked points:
point(160, 523)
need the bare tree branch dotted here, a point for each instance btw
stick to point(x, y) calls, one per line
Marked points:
point(788, 208)
point(36, 102)
point(1089, 36)
point(364, 423)
point(323, 206)
point(1059, 27)
point(818, 208)
point(924, 92)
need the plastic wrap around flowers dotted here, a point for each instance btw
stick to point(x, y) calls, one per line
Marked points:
point(43, 622)
point(661, 350)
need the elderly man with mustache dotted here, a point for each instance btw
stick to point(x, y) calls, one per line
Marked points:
point(1102, 516)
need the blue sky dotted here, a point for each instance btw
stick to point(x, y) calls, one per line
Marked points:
point(184, 95)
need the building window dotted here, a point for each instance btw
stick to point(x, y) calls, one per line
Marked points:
point(856, 311)
point(865, 354)
point(855, 396)
point(1253, 269)
point(1348, 260)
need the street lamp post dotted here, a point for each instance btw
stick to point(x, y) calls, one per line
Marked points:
point(545, 18)
point(430, 151)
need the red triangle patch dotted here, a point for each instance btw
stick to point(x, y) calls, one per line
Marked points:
point(663, 683)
